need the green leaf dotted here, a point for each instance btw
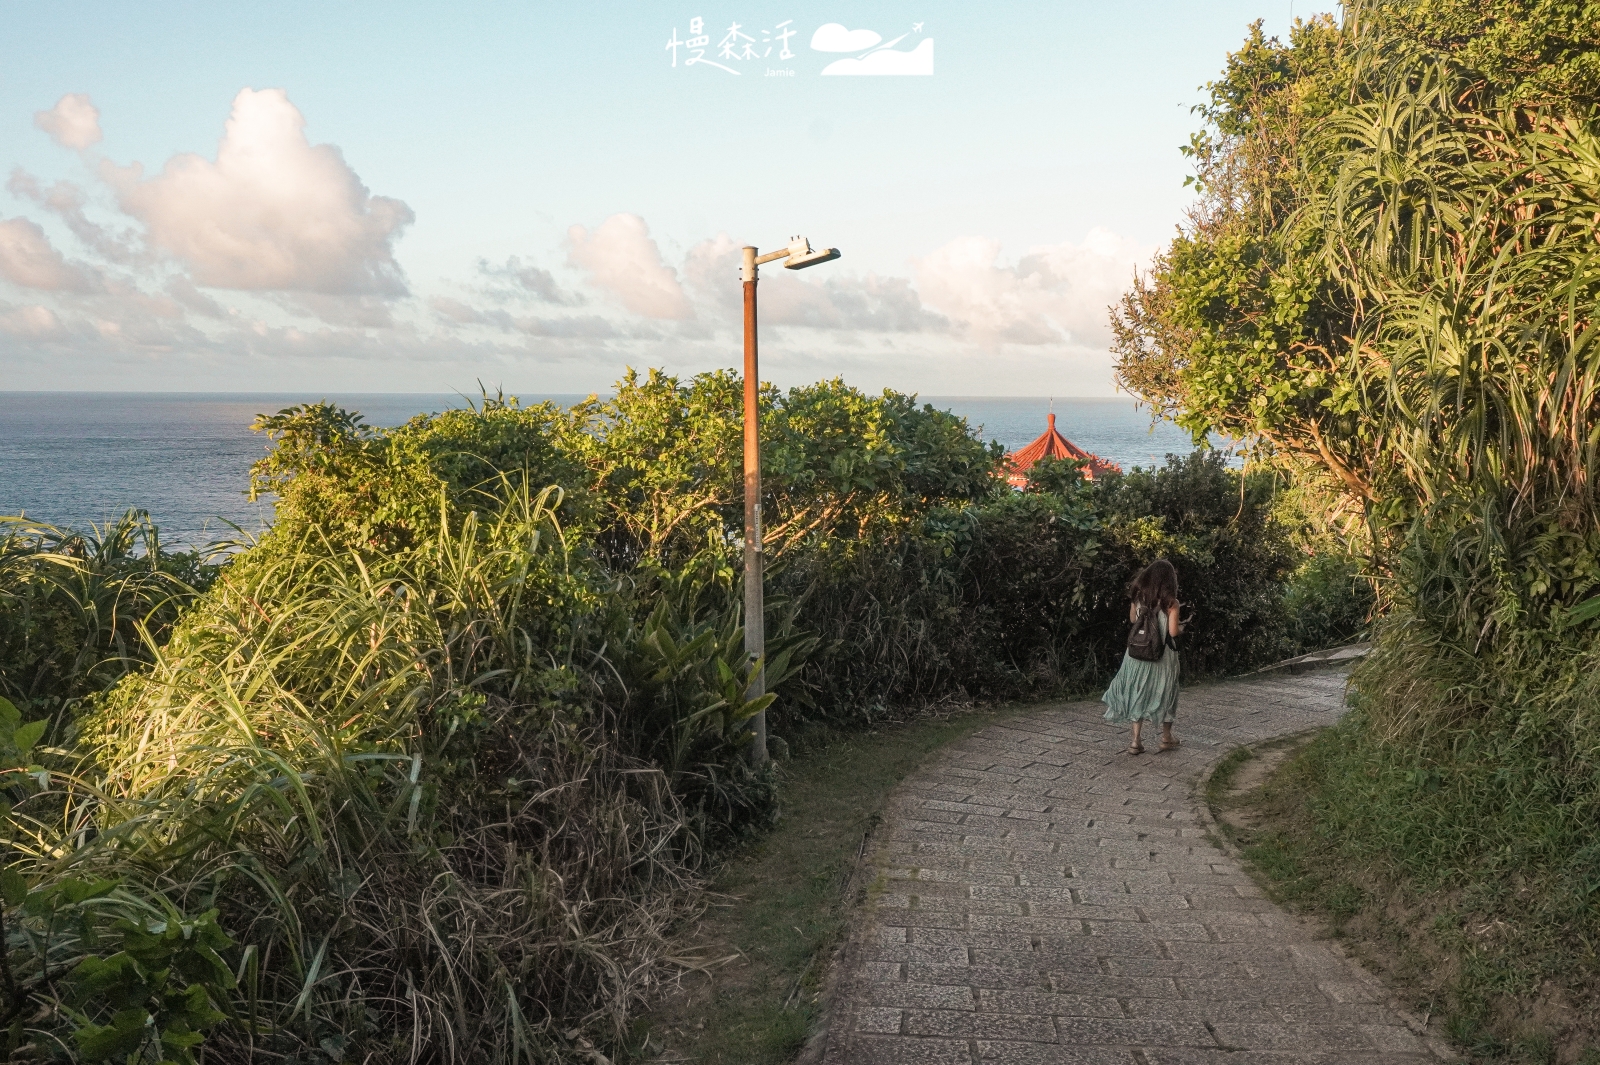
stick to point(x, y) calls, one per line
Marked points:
point(180, 1039)
point(10, 716)
point(124, 1035)
point(28, 735)
point(13, 888)
point(1587, 610)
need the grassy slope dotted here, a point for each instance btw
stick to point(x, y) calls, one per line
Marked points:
point(782, 912)
point(1485, 956)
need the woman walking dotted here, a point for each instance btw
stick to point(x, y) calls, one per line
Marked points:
point(1146, 687)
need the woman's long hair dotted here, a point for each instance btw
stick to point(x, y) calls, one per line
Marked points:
point(1156, 586)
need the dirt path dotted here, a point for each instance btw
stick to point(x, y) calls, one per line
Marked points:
point(1041, 897)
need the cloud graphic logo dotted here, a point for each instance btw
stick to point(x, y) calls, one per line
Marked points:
point(875, 57)
point(888, 61)
point(835, 38)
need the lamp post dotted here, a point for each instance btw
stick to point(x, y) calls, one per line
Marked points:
point(798, 255)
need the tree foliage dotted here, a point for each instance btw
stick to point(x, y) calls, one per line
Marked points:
point(1390, 281)
point(1389, 285)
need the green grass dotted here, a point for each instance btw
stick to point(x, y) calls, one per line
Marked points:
point(1221, 779)
point(783, 911)
point(1491, 938)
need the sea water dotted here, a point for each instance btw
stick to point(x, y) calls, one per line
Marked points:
point(76, 458)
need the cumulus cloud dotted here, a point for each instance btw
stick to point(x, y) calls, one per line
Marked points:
point(872, 303)
point(356, 312)
point(68, 202)
point(301, 256)
point(837, 301)
point(184, 292)
point(453, 310)
point(74, 122)
point(28, 259)
point(272, 212)
point(569, 327)
point(29, 323)
point(528, 282)
point(1052, 294)
point(575, 327)
point(622, 259)
point(711, 269)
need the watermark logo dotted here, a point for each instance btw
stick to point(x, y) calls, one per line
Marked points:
point(875, 57)
point(742, 47)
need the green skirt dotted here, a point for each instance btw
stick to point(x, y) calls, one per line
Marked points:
point(1144, 691)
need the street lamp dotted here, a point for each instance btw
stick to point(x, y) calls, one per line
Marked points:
point(797, 256)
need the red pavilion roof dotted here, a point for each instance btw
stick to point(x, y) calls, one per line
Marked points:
point(1053, 445)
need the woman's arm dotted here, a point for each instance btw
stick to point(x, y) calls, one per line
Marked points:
point(1174, 626)
point(1133, 611)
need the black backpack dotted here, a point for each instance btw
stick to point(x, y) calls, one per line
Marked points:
point(1144, 641)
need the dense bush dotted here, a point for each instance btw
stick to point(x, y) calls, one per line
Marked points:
point(78, 610)
point(429, 771)
point(1022, 594)
point(1388, 283)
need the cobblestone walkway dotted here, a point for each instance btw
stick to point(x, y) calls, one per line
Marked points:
point(1048, 900)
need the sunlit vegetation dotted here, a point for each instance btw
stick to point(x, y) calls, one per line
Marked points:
point(437, 769)
point(1389, 283)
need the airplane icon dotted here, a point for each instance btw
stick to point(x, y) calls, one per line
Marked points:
point(916, 27)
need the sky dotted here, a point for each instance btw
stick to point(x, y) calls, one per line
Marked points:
point(370, 197)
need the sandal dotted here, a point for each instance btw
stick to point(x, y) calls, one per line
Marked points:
point(1137, 748)
point(1169, 745)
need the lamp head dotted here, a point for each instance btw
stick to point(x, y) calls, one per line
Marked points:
point(801, 255)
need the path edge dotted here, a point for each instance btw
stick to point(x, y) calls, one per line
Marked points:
point(820, 1043)
point(1441, 1048)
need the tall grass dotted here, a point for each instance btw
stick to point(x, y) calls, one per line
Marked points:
point(426, 844)
point(79, 609)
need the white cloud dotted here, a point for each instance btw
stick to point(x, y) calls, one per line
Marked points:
point(453, 310)
point(888, 61)
point(833, 37)
point(28, 259)
point(308, 254)
point(835, 300)
point(74, 122)
point(273, 212)
point(529, 282)
point(871, 303)
point(29, 323)
point(68, 201)
point(712, 270)
point(184, 291)
point(621, 258)
point(357, 312)
point(1053, 294)
point(574, 327)
point(565, 327)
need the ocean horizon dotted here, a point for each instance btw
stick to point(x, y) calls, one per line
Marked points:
point(79, 458)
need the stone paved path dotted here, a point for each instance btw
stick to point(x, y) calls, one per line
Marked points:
point(1049, 900)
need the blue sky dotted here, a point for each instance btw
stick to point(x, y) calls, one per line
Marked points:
point(986, 213)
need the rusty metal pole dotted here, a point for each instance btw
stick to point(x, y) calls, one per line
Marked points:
point(754, 609)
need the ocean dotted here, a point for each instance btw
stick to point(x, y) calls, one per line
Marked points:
point(76, 458)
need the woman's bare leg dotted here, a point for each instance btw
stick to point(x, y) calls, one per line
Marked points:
point(1135, 745)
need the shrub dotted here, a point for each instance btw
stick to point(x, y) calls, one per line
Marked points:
point(432, 768)
point(1023, 594)
point(79, 610)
